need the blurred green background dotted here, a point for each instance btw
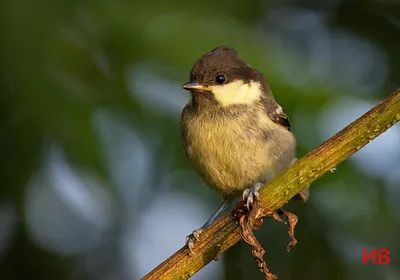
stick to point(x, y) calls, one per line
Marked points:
point(94, 182)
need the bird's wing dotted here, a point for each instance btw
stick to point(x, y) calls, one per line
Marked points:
point(276, 114)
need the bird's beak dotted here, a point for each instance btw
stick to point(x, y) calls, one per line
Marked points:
point(193, 86)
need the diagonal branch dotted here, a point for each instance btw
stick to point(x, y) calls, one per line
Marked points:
point(225, 232)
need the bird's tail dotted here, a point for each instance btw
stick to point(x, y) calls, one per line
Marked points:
point(302, 195)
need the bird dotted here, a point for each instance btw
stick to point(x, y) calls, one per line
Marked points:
point(235, 135)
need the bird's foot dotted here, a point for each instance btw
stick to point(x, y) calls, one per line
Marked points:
point(249, 195)
point(192, 238)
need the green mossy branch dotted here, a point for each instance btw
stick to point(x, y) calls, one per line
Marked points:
point(225, 232)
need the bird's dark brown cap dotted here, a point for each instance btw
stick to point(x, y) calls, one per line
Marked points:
point(222, 61)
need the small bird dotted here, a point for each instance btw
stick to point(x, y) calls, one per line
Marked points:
point(235, 135)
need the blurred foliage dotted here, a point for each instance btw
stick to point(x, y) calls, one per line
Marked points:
point(90, 101)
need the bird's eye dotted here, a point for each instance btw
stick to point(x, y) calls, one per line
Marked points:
point(220, 79)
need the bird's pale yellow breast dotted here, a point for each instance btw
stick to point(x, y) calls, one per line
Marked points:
point(233, 151)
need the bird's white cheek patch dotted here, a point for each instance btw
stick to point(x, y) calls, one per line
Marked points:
point(237, 93)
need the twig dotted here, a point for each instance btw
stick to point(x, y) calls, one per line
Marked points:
point(225, 232)
point(292, 220)
point(256, 249)
point(252, 220)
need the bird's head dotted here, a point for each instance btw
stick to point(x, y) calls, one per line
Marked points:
point(221, 78)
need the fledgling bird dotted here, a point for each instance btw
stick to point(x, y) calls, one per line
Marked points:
point(235, 135)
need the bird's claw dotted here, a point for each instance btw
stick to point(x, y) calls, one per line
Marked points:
point(192, 238)
point(249, 195)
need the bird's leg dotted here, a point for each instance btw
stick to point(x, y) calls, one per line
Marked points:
point(249, 195)
point(190, 239)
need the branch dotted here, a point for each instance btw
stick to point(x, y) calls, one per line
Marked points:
point(226, 232)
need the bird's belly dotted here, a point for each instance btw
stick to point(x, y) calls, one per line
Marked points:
point(230, 162)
